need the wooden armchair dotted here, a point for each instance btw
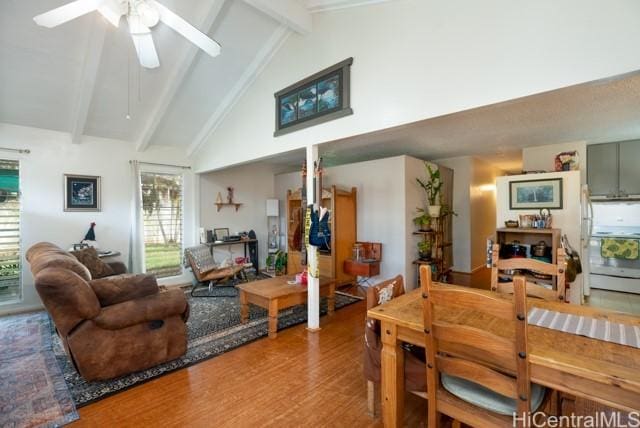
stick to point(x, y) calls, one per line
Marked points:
point(207, 272)
point(414, 358)
point(482, 379)
point(532, 289)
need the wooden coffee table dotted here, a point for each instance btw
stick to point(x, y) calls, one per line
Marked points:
point(274, 294)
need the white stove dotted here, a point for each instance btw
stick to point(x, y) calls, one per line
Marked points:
point(616, 274)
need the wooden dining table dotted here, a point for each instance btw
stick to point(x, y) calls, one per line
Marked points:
point(601, 371)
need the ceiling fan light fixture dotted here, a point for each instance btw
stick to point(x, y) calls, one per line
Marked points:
point(149, 16)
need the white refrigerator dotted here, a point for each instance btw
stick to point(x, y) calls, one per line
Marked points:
point(569, 219)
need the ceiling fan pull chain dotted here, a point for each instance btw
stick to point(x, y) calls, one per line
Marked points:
point(128, 116)
point(139, 84)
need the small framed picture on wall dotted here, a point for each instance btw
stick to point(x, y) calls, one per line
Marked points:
point(81, 192)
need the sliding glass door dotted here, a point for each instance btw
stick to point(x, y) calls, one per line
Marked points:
point(10, 284)
point(162, 214)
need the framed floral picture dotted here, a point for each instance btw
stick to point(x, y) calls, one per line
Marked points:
point(81, 192)
point(319, 98)
point(535, 194)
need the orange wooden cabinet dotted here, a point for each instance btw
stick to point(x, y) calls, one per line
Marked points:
point(342, 205)
point(365, 269)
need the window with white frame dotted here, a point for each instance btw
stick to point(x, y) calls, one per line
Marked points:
point(162, 214)
point(10, 284)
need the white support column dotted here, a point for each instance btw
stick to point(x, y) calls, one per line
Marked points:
point(313, 283)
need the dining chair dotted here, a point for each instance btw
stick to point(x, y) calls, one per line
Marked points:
point(482, 379)
point(414, 360)
point(556, 270)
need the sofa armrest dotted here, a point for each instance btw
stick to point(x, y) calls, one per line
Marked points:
point(118, 267)
point(151, 308)
point(120, 288)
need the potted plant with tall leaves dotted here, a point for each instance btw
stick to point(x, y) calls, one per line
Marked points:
point(432, 187)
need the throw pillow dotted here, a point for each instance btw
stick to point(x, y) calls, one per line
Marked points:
point(89, 258)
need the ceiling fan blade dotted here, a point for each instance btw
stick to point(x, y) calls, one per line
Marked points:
point(112, 11)
point(143, 43)
point(67, 12)
point(187, 30)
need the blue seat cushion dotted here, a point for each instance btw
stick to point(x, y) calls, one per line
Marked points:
point(487, 399)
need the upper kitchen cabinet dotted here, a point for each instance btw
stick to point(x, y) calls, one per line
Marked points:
point(612, 169)
point(629, 168)
point(602, 169)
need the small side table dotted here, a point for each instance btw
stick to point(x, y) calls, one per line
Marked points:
point(362, 269)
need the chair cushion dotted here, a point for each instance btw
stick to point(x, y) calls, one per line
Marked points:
point(89, 258)
point(200, 258)
point(487, 399)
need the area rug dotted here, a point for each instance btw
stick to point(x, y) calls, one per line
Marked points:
point(32, 389)
point(213, 328)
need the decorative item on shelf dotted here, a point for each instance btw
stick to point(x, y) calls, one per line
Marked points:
point(220, 233)
point(544, 220)
point(511, 223)
point(81, 192)
point(219, 198)
point(432, 189)
point(90, 237)
point(567, 161)
point(319, 98)
point(356, 252)
point(230, 195)
point(535, 194)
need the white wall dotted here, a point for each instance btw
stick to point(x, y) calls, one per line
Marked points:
point(542, 158)
point(41, 184)
point(415, 59)
point(253, 185)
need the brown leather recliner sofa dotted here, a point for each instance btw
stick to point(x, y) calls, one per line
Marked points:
point(109, 326)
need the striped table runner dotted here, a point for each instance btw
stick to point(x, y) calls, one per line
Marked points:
point(586, 326)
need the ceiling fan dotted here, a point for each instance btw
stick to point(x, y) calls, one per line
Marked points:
point(141, 15)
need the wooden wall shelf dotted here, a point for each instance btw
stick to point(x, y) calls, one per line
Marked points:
point(227, 204)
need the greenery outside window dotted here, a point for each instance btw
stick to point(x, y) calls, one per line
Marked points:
point(162, 211)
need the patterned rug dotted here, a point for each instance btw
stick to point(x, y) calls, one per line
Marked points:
point(214, 328)
point(32, 389)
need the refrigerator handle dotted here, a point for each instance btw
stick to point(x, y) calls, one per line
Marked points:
point(588, 217)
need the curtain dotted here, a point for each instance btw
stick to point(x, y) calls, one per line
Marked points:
point(136, 238)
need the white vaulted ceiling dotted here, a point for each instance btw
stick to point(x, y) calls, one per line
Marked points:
point(83, 77)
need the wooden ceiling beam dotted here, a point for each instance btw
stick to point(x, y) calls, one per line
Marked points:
point(288, 12)
point(89, 76)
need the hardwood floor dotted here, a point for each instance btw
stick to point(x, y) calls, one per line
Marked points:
point(299, 379)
